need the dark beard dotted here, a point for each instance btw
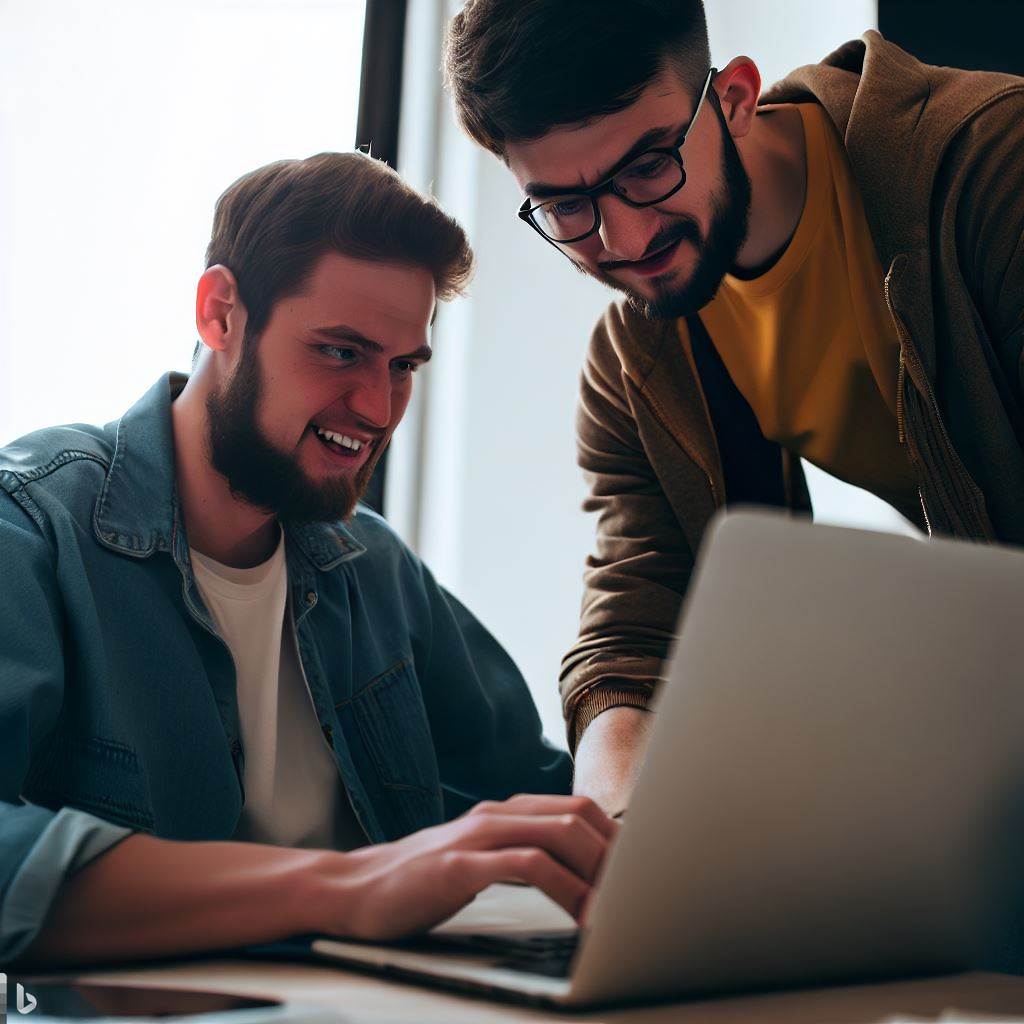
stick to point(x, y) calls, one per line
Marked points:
point(728, 231)
point(261, 474)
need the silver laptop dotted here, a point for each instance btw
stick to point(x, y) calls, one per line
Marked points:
point(833, 787)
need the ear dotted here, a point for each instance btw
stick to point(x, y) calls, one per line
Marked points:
point(220, 315)
point(738, 85)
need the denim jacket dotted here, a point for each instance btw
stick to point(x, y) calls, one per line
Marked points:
point(118, 710)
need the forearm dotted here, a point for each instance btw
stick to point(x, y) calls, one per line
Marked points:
point(151, 897)
point(609, 757)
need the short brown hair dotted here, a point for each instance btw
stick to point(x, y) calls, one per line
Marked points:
point(272, 225)
point(518, 68)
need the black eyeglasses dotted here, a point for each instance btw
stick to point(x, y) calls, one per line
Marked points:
point(647, 179)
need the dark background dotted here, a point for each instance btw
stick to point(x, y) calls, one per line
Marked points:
point(983, 35)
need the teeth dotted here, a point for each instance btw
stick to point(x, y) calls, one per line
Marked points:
point(343, 439)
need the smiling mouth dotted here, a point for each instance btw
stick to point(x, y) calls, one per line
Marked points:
point(340, 444)
point(655, 263)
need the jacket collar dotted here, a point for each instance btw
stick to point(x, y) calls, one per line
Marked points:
point(137, 512)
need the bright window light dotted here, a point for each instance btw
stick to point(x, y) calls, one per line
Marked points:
point(120, 124)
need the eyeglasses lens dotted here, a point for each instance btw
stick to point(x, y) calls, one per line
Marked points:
point(650, 178)
point(565, 217)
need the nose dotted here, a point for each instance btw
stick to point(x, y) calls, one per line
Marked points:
point(370, 400)
point(625, 231)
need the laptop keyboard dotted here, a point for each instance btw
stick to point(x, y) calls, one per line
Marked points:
point(549, 954)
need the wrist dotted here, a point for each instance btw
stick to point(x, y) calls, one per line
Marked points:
point(606, 699)
point(609, 756)
point(325, 892)
point(304, 884)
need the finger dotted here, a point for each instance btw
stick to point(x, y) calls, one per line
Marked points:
point(530, 866)
point(587, 907)
point(542, 803)
point(568, 838)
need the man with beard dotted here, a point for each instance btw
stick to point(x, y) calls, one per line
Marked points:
point(233, 706)
point(832, 271)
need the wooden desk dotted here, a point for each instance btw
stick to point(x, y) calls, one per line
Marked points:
point(363, 999)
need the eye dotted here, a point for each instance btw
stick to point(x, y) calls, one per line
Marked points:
point(566, 207)
point(337, 353)
point(649, 166)
point(403, 367)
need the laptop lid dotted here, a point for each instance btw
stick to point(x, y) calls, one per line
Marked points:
point(833, 785)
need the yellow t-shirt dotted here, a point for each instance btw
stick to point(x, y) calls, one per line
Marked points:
point(810, 343)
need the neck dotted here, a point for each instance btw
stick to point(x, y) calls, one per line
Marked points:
point(217, 523)
point(775, 157)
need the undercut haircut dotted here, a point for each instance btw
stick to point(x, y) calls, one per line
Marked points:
point(273, 224)
point(518, 68)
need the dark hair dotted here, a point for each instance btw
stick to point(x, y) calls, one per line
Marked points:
point(272, 225)
point(517, 68)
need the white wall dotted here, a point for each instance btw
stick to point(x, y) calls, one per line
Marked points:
point(494, 465)
point(784, 34)
point(499, 519)
point(508, 528)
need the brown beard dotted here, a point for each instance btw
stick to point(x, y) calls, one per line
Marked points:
point(257, 471)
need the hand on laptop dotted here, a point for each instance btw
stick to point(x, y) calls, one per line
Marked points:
point(153, 897)
point(556, 843)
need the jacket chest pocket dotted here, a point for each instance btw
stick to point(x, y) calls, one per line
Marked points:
point(388, 735)
point(95, 775)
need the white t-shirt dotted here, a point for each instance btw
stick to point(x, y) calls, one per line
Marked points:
point(294, 795)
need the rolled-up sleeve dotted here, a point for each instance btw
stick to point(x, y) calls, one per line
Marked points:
point(67, 841)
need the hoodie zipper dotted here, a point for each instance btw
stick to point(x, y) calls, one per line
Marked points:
point(901, 379)
point(920, 381)
point(901, 376)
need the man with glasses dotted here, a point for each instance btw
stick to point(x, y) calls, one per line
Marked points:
point(832, 271)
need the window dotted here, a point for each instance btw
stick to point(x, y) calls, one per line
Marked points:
point(121, 121)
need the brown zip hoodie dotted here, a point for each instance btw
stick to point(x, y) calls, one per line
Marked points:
point(938, 155)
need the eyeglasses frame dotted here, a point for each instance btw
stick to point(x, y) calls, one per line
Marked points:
point(607, 186)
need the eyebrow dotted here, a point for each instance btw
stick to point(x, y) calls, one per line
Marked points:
point(542, 190)
point(349, 335)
